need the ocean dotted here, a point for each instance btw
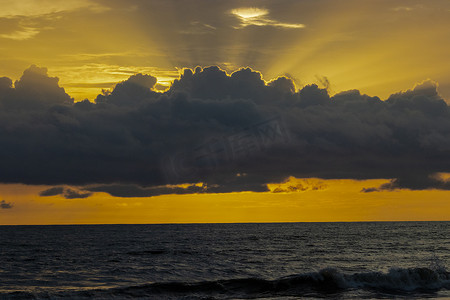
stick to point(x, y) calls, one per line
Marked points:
point(367, 260)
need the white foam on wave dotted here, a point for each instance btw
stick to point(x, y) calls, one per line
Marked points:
point(396, 279)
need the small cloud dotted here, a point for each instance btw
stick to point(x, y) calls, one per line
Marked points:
point(198, 28)
point(67, 193)
point(392, 185)
point(324, 82)
point(132, 190)
point(438, 181)
point(37, 8)
point(249, 12)
point(403, 8)
point(20, 35)
point(73, 194)
point(370, 190)
point(407, 8)
point(5, 205)
point(293, 185)
point(57, 190)
point(259, 17)
point(442, 177)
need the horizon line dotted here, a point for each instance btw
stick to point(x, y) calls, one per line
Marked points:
point(219, 223)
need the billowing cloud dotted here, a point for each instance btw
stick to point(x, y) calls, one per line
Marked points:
point(5, 205)
point(35, 89)
point(229, 132)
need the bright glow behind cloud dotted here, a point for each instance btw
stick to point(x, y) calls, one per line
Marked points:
point(249, 12)
point(258, 17)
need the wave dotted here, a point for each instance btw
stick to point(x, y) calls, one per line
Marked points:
point(397, 281)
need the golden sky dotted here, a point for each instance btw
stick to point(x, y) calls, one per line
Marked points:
point(378, 47)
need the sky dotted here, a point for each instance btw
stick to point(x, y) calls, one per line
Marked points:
point(224, 111)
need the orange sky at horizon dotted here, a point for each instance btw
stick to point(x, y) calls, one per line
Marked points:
point(334, 201)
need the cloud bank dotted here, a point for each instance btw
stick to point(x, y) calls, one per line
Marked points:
point(228, 132)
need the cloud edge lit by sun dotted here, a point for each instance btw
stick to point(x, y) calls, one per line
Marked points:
point(259, 17)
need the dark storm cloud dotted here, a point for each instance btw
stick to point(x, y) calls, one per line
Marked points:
point(213, 128)
point(35, 89)
point(5, 205)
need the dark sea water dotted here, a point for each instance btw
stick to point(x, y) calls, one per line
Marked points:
point(226, 261)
